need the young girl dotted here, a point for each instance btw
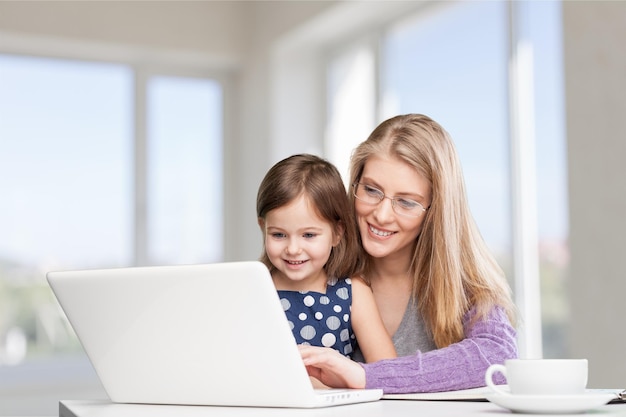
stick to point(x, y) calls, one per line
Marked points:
point(310, 248)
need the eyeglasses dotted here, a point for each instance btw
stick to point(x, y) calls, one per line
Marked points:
point(373, 196)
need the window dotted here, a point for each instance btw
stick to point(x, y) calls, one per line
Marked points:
point(544, 27)
point(451, 62)
point(79, 141)
point(66, 186)
point(184, 171)
point(429, 66)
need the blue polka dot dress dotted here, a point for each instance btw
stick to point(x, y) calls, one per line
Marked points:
point(319, 319)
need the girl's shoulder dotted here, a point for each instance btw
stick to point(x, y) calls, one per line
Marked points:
point(357, 282)
point(349, 283)
point(340, 288)
point(358, 287)
point(334, 282)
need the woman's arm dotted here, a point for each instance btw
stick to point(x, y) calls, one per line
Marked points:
point(461, 365)
point(371, 335)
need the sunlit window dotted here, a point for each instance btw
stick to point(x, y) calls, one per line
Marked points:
point(553, 217)
point(67, 181)
point(66, 187)
point(184, 171)
point(451, 63)
point(451, 66)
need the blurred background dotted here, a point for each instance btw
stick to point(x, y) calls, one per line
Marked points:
point(136, 133)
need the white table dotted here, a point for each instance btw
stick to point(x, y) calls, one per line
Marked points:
point(383, 408)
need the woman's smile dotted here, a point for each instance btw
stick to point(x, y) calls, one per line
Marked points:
point(379, 232)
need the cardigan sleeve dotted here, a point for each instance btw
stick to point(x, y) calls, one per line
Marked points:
point(461, 365)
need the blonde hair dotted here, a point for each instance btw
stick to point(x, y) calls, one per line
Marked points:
point(320, 182)
point(452, 268)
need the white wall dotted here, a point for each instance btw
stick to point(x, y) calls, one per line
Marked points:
point(214, 31)
point(595, 66)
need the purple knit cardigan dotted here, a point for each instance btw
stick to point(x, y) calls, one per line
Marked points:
point(461, 365)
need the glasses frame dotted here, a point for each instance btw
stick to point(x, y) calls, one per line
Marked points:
point(393, 200)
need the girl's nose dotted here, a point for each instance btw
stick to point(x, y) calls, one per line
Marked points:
point(293, 247)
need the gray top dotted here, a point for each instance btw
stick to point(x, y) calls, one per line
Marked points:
point(410, 337)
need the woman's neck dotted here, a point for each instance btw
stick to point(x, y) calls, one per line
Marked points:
point(392, 286)
point(389, 269)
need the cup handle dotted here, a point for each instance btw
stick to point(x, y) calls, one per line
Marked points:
point(489, 378)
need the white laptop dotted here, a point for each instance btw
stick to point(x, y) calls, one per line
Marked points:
point(212, 334)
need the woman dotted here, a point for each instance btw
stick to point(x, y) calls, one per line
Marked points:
point(441, 295)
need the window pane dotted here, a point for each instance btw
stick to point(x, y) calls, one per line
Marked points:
point(185, 191)
point(553, 216)
point(451, 65)
point(65, 178)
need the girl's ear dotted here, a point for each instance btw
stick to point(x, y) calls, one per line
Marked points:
point(339, 232)
point(261, 223)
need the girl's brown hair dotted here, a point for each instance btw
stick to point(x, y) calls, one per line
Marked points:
point(320, 182)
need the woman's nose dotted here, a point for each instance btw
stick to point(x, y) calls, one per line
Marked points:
point(384, 211)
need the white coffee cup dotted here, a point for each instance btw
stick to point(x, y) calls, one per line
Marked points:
point(540, 376)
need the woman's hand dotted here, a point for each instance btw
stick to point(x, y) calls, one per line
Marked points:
point(332, 368)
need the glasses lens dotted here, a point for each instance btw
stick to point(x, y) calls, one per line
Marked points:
point(402, 206)
point(367, 194)
point(407, 207)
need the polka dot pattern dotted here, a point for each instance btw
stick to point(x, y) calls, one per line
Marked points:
point(321, 319)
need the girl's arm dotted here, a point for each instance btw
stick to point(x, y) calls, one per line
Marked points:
point(332, 368)
point(371, 335)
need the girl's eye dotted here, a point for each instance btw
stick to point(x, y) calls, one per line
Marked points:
point(278, 235)
point(309, 235)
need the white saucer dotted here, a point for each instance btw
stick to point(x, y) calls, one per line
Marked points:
point(550, 404)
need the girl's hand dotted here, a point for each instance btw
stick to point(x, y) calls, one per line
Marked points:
point(332, 368)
